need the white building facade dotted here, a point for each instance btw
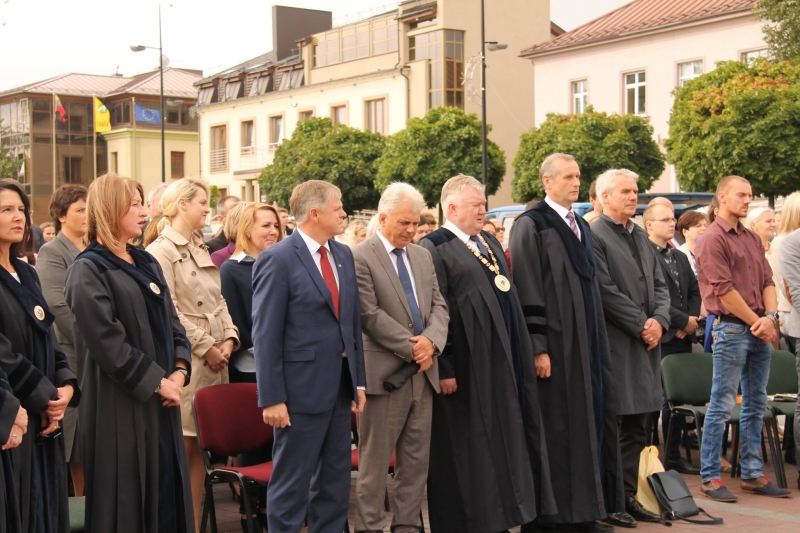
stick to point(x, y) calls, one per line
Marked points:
point(630, 60)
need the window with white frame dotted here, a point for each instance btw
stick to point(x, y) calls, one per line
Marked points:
point(752, 55)
point(580, 96)
point(275, 130)
point(376, 116)
point(689, 71)
point(635, 93)
point(248, 137)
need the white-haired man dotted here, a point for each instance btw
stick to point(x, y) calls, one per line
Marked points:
point(636, 308)
point(404, 324)
point(488, 467)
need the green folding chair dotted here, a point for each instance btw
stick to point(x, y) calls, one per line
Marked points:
point(782, 380)
point(687, 380)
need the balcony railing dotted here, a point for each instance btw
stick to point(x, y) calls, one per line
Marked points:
point(256, 157)
point(219, 160)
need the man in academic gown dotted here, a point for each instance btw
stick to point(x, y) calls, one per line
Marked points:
point(488, 463)
point(555, 276)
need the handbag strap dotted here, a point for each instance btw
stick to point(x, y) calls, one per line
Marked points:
point(669, 515)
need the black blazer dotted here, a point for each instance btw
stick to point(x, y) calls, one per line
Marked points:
point(684, 301)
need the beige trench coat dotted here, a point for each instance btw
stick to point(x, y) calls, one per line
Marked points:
point(195, 286)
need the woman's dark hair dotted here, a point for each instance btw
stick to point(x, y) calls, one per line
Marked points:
point(62, 198)
point(24, 247)
point(690, 219)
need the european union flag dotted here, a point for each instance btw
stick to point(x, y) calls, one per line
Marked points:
point(151, 116)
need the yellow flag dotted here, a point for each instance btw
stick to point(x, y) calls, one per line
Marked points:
point(102, 117)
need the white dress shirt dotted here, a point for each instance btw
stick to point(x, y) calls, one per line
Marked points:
point(313, 248)
point(563, 212)
point(389, 250)
point(463, 237)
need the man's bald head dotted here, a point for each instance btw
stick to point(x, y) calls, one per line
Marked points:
point(660, 200)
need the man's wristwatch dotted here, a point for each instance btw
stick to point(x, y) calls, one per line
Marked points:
point(774, 316)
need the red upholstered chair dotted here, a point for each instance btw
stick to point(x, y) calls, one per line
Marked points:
point(229, 422)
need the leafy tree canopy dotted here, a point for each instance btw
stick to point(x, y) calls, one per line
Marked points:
point(318, 150)
point(782, 31)
point(598, 142)
point(738, 119)
point(432, 149)
point(8, 164)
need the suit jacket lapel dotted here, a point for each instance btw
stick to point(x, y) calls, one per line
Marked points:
point(386, 263)
point(341, 272)
point(313, 271)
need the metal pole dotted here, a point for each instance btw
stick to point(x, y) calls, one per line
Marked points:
point(163, 118)
point(485, 155)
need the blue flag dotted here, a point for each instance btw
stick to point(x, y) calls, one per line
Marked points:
point(151, 116)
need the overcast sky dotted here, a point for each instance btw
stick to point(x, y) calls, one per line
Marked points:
point(40, 39)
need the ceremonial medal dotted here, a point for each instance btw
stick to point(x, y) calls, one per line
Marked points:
point(154, 288)
point(38, 312)
point(502, 283)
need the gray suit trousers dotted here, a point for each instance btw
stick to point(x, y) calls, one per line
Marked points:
point(399, 422)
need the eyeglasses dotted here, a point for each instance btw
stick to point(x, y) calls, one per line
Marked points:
point(667, 220)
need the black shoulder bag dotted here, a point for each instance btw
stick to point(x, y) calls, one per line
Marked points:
point(674, 496)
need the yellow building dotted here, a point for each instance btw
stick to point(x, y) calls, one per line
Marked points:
point(372, 74)
point(58, 149)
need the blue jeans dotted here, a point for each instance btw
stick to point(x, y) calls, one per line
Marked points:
point(738, 354)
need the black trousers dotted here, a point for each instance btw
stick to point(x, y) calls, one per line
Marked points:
point(632, 440)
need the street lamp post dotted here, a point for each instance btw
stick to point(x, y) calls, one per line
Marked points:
point(493, 46)
point(140, 48)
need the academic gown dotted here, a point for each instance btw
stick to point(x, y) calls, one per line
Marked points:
point(40, 470)
point(9, 506)
point(137, 478)
point(580, 426)
point(488, 464)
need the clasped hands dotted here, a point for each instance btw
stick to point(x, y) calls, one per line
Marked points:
point(218, 358)
point(422, 352)
point(171, 389)
point(689, 328)
point(764, 328)
point(651, 334)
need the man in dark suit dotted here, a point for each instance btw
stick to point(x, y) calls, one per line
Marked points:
point(636, 308)
point(404, 320)
point(684, 314)
point(309, 362)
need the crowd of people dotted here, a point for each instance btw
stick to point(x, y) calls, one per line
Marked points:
point(506, 400)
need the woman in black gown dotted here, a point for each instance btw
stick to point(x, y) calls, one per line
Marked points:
point(38, 373)
point(134, 362)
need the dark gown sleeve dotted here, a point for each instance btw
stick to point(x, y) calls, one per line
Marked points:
point(525, 249)
point(447, 368)
point(9, 407)
point(30, 386)
point(64, 374)
point(104, 335)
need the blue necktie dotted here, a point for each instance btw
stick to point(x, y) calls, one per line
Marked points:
point(405, 281)
point(481, 248)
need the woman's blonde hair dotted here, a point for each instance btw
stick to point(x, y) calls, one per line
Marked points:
point(183, 189)
point(109, 198)
point(231, 226)
point(350, 235)
point(755, 214)
point(247, 220)
point(790, 214)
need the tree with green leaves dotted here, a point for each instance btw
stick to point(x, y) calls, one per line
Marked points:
point(598, 142)
point(318, 150)
point(738, 119)
point(432, 149)
point(9, 165)
point(782, 31)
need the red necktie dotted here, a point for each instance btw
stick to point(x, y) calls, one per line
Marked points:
point(330, 279)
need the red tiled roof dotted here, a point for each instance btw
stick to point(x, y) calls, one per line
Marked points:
point(641, 16)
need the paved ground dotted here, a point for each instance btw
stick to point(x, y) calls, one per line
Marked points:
point(751, 514)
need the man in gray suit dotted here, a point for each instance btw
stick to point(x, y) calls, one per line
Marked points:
point(790, 269)
point(636, 306)
point(404, 322)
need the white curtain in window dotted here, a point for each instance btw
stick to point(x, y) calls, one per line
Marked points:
point(232, 90)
